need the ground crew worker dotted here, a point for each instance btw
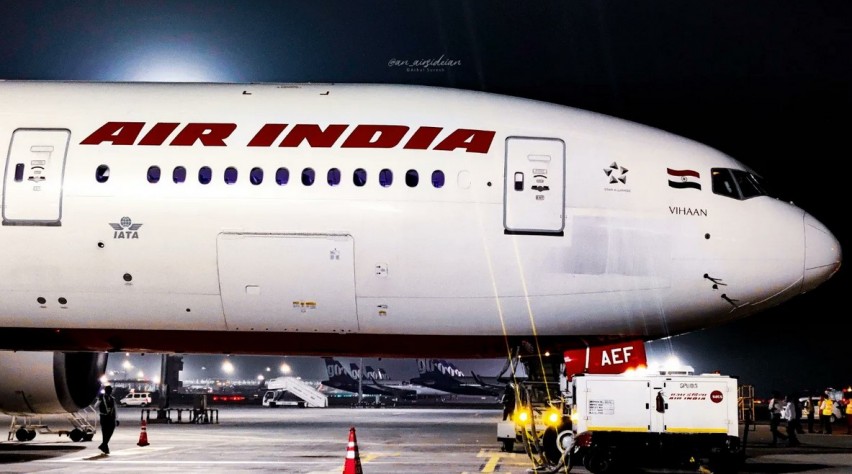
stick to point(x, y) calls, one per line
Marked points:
point(508, 401)
point(776, 407)
point(849, 417)
point(826, 408)
point(809, 404)
point(106, 410)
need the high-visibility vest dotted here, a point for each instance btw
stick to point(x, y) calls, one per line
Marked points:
point(828, 407)
point(849, 407)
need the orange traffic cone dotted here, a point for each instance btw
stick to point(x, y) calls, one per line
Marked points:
point(143, 435)
point(353, 460)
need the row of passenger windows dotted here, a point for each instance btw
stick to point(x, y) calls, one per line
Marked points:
point(282, 176)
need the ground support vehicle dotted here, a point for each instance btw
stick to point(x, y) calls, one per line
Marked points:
point(281, 398)
point(84, 422)
point(623, 421)
point(540, 421)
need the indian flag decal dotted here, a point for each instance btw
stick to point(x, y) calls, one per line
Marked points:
point(682, 179)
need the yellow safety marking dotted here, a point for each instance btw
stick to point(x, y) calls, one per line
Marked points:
point(634, 429)
point(501, 458)
point(491, 464)
point(373, 456)
point(697, 430)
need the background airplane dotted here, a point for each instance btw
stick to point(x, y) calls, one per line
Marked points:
point(341, 378)
point(380, 378)
point(443, 375)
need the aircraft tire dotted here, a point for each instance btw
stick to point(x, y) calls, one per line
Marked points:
point(76, 435)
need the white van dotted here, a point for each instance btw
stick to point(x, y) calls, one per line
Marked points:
point(137, 399)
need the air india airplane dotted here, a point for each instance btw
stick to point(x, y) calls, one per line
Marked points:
point(362, 220)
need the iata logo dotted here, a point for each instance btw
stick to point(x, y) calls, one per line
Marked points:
point(716, 396)
point(125, 229)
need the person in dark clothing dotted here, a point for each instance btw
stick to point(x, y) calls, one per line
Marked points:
point(789, 415)
point(508, 401)
point(776, 407)
point(797, 407)
point(811, 406)
point(106, 409)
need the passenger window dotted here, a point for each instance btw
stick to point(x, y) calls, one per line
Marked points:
point(102, 174)
point(205, 175)
point(359, 177)
point(179, 174)
point(438, 179)
point(282, 176)
point(412, 178)
point(334, 177)
point(385, 177)
point(308, 176)
point(231, 175)
point(256, 176)
point(154, 174)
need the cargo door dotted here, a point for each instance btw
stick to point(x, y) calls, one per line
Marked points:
point(534, 186)
point(32, 187)
point(288, 282)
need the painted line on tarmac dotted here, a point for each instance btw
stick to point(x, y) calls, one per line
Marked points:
point(497, 459)
point(100, 455)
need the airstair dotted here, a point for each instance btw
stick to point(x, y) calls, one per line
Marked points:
point(745, 405)
point(312, 397)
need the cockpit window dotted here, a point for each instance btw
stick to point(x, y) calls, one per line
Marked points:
point(723, 183)
point(749, 184)
point(736, 184)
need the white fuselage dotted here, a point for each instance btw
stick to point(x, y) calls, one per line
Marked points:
point(550, 221)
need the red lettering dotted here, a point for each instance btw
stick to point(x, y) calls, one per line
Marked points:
point(267, 134)
point(422, 138)
point(314, 135)
point(375, 136)
point(209, 134)
point(119, 133)
point(158, 134)
point(475, 141)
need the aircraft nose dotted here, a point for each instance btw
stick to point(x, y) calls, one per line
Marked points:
point(823, 254)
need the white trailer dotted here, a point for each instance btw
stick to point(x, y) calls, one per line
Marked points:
point(664, 420)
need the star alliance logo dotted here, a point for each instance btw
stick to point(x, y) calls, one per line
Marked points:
point(617, 178)
point(617, 174)
point(125, 229)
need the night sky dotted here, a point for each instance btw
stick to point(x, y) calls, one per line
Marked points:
point(768, 82)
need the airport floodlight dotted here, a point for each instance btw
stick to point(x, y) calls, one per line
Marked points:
point(140, 375)
point(285, 368)
point(269, 369)
point(156, 380)
point(260, 378)
point(228, 367)
point(126, 364)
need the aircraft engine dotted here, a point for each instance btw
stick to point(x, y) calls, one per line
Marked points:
point(49, 382)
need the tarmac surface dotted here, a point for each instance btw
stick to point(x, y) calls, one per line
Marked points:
point(390, 440)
